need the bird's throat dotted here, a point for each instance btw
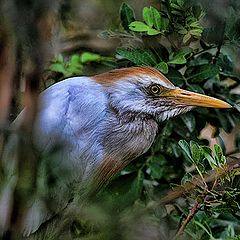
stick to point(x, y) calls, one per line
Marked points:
point(128, 136)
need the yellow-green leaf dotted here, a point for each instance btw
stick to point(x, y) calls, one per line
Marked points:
point(138, 26)
point(148, 16)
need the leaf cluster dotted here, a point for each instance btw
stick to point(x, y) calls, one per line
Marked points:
point(74, 64)
point(173, 40)
point(174, 17)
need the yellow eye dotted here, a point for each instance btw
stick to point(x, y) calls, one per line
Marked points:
point(155, 89)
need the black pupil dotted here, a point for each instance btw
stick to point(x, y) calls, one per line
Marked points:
point(155, 89)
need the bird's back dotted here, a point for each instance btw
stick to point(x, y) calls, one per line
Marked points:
point(67, 133)
point(69, 115)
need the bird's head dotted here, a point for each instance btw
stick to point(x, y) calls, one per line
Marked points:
point(144, 90)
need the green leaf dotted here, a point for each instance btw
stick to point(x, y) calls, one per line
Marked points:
point(186, 37)
point(173, 5)
point(204, 58)
point(163, 67)
point(196, 24)
point(57, 67)
point(178, 60)
point(195, 151)
point(75, 59)
point(186, 178)
point(152, 31)
point(138, 26)
point(183, 31)
point(217, 150)
point(180, 2)
point(207, 152)
point(127, 15)
point(197, 11)
point(205, 229)
point(233, 26)
point(185, 146)
point(155, 165)
point(195, 88)
point(225, 120)
point(225, 63)
point(137, 185)
point(138, 56)
point(74, 65)
point(201, 73)
point(175, 149)
point(180, 57)
point(89, 57)
point(156, 18)
point(148, 16)
point(196, 32)
point(189, 120)
point(164, 24)
point(176, 13)
point(175, 77)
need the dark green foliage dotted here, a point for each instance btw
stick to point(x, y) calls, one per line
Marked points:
point(179, 39)
point(126, 15)
point(138, 56)
point(191, 61)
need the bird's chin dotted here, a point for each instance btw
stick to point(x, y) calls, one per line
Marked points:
point(165, 115)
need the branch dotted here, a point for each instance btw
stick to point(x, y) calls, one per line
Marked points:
point(190, 216)
point(177, 192)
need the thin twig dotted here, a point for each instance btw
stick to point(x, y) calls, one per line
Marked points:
point(190, 216)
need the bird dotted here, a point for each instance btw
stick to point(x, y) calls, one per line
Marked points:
point(102, 123)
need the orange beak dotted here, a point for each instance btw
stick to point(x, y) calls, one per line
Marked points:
point(188, 98)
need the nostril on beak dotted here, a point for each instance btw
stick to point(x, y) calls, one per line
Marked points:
point(186, 94)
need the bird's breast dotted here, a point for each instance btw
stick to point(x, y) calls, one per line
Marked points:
point(122, 143)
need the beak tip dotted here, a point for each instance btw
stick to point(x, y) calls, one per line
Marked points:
point(229, 106)
point(226, 105)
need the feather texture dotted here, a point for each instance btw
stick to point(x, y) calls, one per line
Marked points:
point(101, 123)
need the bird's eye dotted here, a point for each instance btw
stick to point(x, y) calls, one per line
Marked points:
point(155, 89)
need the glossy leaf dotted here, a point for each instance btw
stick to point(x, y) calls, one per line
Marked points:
point(138, 56)
point(189, 120)
point(187, 37)
point(195, 88)
point(127, 15)
point(175, 77)
point(155, 165)
point(202, 73)
point(137, 185)
point(180, 57)
point(164, 24)
point(156, 18)
point(185, 146)
point(163, 67)
point(186, 178)
point(225, 63)
point(217, 150)
point(202, 59)
point(152, 31)
point(90, 57)
point(138, 26)
point(57, 67)
point(207, 152)
point(148, 16)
